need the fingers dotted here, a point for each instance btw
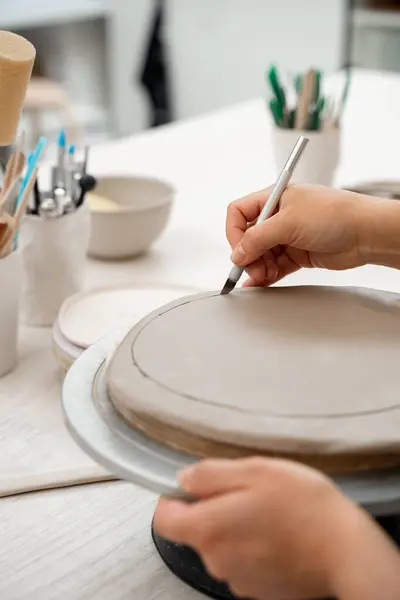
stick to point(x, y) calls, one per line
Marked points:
point(172, 520)
point(258, 272)
point(222, 487)
point(223, 531)
point(202, 524)
point(270, 269)
point(213, 477)
point(241, 213)
point(260, 238)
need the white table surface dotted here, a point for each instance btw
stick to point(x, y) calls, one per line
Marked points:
point(92, 542)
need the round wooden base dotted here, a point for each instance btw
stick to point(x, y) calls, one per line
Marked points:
point(199, 447)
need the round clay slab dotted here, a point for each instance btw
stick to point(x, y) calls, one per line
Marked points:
point(131, 455)
point(296, 369)
point(86, 317)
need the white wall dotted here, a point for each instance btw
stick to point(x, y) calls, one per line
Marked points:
point(128, 30)
point(219, 49)
point(97, 61)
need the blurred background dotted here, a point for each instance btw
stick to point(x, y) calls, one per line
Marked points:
point(110, 68)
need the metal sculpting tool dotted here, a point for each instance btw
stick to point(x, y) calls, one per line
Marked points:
point(271, 203)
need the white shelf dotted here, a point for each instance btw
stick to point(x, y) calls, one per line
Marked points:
point(376, 19)
point(26, 14)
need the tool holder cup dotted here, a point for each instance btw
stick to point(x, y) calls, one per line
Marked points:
point(320, 159)
point(10, 278)
point(53, 253)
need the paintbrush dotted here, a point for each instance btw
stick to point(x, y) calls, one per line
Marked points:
point(9, 199)
point(271, 203)
point(18, 158)
point(15, 166)
point(7, 243)
point(7, 229)
point(23, 203)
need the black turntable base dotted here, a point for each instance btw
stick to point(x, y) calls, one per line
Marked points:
point(188, 567)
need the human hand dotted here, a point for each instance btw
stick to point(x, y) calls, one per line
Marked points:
point(269, 528)
point(314, 227)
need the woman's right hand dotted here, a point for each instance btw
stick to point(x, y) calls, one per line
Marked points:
point(314, 227)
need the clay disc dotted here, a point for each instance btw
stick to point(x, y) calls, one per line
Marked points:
point(297, 370)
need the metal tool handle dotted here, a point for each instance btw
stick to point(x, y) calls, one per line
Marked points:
point(276, 194)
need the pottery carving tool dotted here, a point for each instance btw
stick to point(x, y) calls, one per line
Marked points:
point(23, 201)
point(6, 245)
point(87, 183)
point(9, 199)
point(69, 182)
point(15, 166)
point(344, 97)
point(303, 105)
point(278, 102)
point(32, 163)
point(271, 204)
point(306, 99)
point(7, 229)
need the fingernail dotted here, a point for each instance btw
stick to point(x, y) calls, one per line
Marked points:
point(238, 255)
point(185, 476)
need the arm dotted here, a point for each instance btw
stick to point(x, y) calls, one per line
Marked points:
point(378, 223)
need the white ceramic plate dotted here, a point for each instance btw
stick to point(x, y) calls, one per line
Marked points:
point(64, 346)
point(86, 317)
point(130, 455)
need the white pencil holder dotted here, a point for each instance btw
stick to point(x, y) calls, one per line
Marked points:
point(53, 255)
point(10, 278)
point(321, 157)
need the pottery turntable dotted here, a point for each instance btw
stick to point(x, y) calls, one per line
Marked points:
point(308, 373)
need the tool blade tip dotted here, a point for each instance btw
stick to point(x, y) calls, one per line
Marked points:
point(228, 287)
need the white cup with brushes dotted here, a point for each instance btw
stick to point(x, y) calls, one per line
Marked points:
point(53, 254)
point(313, 115)
point(11, 215)
point(10, 278)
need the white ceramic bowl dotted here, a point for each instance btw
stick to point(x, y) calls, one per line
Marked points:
point(144, 209)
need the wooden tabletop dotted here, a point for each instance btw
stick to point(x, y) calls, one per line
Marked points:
point(93, 542)
point(87, 542)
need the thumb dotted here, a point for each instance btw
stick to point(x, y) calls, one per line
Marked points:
point(260, 238)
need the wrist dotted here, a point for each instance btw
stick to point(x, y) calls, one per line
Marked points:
point(365, 563)
point(378, 227)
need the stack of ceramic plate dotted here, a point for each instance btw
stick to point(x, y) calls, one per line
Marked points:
point(84, 318)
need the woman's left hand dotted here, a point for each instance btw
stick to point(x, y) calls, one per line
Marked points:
point(269, 528)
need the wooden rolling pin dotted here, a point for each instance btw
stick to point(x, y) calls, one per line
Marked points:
point(17, 56)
